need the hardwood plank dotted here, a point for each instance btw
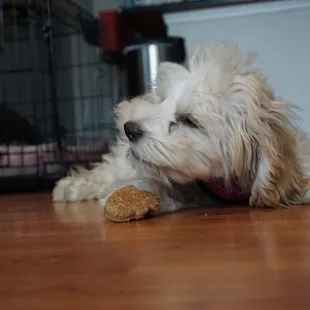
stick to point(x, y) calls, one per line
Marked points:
point(70, 257)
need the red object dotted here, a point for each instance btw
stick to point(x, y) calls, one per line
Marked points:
point(232, 194)
point(115, 34)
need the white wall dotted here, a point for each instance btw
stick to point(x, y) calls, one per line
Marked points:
point(277, 30)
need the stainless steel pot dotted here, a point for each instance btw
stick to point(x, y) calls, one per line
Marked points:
point(141, 61)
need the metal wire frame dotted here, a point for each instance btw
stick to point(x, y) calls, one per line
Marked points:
point(54, 81)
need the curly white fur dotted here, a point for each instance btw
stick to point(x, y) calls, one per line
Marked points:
point(218, 119)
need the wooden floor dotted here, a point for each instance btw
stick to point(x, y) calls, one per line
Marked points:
point(69, 257)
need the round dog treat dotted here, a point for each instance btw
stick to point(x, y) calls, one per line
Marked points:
point(130, 203)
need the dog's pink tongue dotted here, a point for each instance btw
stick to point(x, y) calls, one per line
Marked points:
point(233, 194)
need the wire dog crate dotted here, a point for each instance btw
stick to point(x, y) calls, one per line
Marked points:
point(56, 96)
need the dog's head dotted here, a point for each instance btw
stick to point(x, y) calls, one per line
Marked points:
point(218, 119)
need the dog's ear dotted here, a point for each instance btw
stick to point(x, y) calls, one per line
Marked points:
point(169, 78)
point(264, 141)
point(278, 179)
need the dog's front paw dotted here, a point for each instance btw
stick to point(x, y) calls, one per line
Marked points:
point(71, 189)
point(76, 189)
point(59, 191)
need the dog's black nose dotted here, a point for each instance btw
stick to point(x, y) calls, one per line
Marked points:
point(133, 131)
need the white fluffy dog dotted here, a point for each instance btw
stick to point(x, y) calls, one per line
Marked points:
point(220, 120)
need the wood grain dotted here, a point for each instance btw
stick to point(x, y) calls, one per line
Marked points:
point(69, 257)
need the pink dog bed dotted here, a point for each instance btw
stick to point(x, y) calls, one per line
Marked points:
point(16, 160)
point(42, 159)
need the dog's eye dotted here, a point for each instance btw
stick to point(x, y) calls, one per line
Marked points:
point(188, 121)
point(172, 125)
